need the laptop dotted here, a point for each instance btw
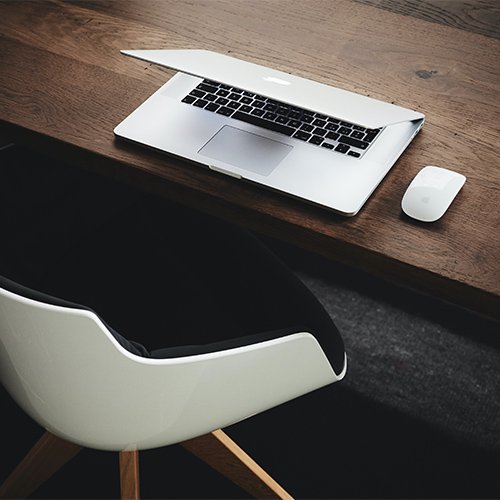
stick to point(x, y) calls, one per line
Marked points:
point(315, 142)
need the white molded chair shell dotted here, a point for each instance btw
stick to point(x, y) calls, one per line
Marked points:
point(67, 371)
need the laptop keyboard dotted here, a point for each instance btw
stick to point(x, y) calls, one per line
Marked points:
point(317, 129)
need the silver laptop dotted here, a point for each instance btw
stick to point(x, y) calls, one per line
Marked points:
point(312, 141)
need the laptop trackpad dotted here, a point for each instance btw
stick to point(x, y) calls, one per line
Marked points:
point(245, 150)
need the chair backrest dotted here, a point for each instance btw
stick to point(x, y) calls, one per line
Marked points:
point(68, 372)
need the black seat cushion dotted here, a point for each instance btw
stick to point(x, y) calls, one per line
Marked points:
point(29, 293)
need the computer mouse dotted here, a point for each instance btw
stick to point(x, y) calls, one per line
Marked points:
point(431, 192)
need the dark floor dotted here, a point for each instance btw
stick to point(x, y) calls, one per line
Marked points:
point(417, 416)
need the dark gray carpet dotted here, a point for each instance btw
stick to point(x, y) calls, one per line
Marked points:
point(428, 360)
point(417, 415)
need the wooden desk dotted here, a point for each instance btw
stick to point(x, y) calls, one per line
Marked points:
point(64, 86)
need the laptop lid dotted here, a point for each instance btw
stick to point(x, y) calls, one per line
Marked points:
point(290, 89)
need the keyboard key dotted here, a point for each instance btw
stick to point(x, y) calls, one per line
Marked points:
point(270, 116)
point(295, 115)
point(246, 100)
point(303, 136)
point(225, 87)
point(234, 96)
point(248, 94)
point(211, 106)
point(327, 145)
point(353, 142)
point(294, 123)
point(270, 107)
point(233, 105)
point(210, 82)
point(222, 101)
point(319, 131)
point(333, 120)
point(331, 126)
point(346, 124)
point(342, 148)
point(238, 91)
point(210, 97)
point(333, 136)
point(225, 111)
point(320, 116)
point(222, 92)
point(260, 122)
point(354, 153)
point(283, 110)
point(258, 104)
point(257, 112)
point(370, 135)
point(260, 97)
point(358, 127)
point(357, 134)
point(200, 103)
point(307, 118)
point(281, 119)
point(306, 127)
point(246, 109)
point(189, 99)
point(344, 130)
point(319, 123)
point(316, 139)
point(207, 88)
point(197, 93)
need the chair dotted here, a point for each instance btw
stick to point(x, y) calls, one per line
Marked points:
point(64, 367)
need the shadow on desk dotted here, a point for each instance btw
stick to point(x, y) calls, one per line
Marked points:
point(403, 424)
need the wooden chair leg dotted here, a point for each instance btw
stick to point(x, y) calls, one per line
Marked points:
point(129, 475)
point(219, 451)
point(48, 455)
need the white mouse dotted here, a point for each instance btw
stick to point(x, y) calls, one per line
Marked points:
point(431, 192)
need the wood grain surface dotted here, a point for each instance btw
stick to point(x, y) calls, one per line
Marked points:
point(65, 86)
point(219, 451)
point(47, 456)
point(129, 475)
point(478, 16)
